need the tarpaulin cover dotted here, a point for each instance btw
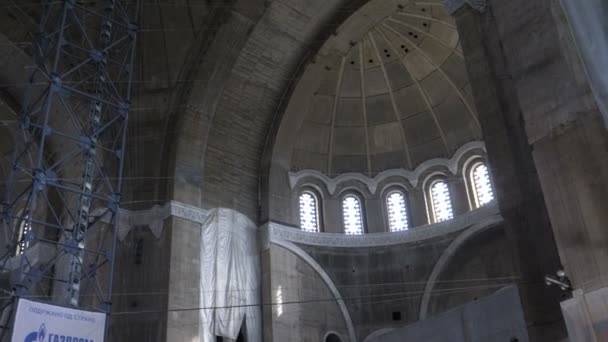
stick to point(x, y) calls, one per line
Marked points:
point(589, 25)
point(586, 315)
point(230, 277)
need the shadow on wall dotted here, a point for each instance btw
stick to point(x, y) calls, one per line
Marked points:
point(498, 317)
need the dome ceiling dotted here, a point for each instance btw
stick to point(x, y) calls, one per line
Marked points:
point(397, 96)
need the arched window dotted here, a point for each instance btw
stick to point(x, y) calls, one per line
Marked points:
point(22, 239)
point(309, 212)
point(397, 211)
point(481, 185)
point(441, 201)
point(352, 215)
point(332, 338)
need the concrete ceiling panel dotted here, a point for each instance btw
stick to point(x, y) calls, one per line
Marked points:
point(328, 85)
point(454, 114)
point(308, 160)
point(436, 87)
point(349, 112)
point(455, 69)
point(418, 65)
point(351, 83)
point(321, 109)
point(349, 141)
point(429, 150)
point(375, 83)
point(313, 137)
point(387, 161)
point(398, 75)
point(420, 129)
point(379, 110)
point(445, 33)
point(435, 51)
point(385, 138)
point(409, 101)
point(344, 164)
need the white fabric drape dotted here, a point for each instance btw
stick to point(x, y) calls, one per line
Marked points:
point(589, 22)
point(230, 277)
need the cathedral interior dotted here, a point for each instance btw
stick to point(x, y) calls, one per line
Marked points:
point(307, 170)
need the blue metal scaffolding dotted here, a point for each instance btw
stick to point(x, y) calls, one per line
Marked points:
point(59, 214)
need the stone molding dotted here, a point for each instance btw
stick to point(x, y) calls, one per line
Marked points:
point(485, 216)
point(154, 217)
point(413, 177)
point(454, 5)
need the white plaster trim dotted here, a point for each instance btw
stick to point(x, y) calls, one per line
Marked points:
point(326, 279)
point(446, 257)
point(154, 217)
point(454, 5)
point(486, 215)
point(413, 177)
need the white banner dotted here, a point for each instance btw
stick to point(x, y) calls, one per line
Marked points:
point(38, 322)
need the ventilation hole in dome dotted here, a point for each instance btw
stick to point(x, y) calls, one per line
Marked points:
point(388, 55)
point(410, 33)
point(423, 10)
point(415, 36)
point(425, 24)
point(403, 46)
point(352, 62)
point(407, 50)
point(371, 61)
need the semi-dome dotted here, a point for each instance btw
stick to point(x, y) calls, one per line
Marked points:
point(393, 92)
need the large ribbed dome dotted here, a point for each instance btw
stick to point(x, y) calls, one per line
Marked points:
point(394, 93)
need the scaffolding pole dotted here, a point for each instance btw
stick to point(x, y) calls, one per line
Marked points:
point(59, 214)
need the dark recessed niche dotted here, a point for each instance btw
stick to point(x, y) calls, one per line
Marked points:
point(403, 46)
point(396, 315)
point(371, 61)
point(407, 50)
point(352, 62)
point(410, 33)
point(415, 36)
point(388, 55)
point(423, 10)
point(425, 24)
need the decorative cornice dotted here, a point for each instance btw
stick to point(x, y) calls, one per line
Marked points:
point(485, 216)
point(154, 217)
point(413, 177)
point(454, 5)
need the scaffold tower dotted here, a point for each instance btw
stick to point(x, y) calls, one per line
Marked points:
point(59, 213)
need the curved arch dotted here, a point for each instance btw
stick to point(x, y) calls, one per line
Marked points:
point(413, 177)
point(330, 333)
point(326, 279)
point(446, 257)
point(377, 333)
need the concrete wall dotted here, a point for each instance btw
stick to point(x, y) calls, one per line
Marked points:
point(497, 94)
point(496, 318)
point(377, 282)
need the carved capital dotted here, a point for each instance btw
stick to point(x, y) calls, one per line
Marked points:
point(454, 5)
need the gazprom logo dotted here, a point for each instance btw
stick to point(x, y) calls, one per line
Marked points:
point(42, 336)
